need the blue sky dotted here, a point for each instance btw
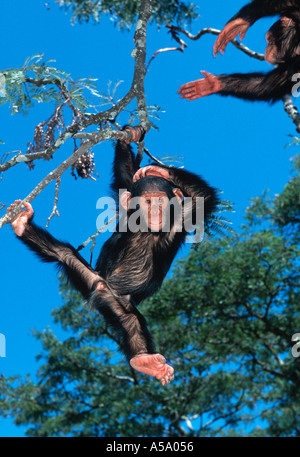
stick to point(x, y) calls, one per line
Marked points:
point(239, 147)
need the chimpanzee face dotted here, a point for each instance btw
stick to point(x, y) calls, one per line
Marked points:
point(154, 207)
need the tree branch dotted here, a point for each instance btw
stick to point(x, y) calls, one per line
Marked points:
point(140, 39)
point(292, 111)
point(136, 91)
point(93, 237)
point(102, 136)
point(61, 87)
point(55, 210)
point(162, 50)
point(175, 30)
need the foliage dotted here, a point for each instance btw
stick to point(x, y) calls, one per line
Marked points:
point(124, 13)
point(40, 81)
point(225, 320)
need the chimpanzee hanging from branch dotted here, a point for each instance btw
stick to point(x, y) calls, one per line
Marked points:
point(283, 50)
point(132, 264)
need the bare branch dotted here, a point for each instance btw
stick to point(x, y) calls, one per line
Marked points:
point(93, 237)
point(174, 31)
point(55, 210)
point(162, 50)
point(18, 158)
point(176, 38)
point(156, 159)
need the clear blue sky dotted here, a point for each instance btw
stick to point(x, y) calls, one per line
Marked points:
point(237, 146)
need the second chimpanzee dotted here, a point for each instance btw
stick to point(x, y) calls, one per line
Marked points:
point(283, 50)
point(132, 263)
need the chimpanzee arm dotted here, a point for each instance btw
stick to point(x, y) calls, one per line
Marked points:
point(124, 167)
point(263, 8)
point(250, 13)
point(194, 186)
point(49, 249)
point(271, 86)
point(125, 163)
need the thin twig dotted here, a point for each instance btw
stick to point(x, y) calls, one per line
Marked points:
point(162, 50)
point(55, 210)
point(156, 159)
point(181, 48)
point(61, 86)
point(93, 237)
point(3, 158)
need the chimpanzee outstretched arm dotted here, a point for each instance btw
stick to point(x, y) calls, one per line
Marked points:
point(250, 13)
point(49, 249)
point(270, 86)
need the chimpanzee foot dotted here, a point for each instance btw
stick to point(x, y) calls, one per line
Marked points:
point(153, 365)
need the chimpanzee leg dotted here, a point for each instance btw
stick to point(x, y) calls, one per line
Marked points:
point(123, 316)
point(136, 341)
point(49, 249)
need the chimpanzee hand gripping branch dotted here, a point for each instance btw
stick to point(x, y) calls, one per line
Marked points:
point(131, 265)
point(283, 50)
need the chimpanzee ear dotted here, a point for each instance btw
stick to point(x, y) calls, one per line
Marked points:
point(178, 194)
point(125, 199)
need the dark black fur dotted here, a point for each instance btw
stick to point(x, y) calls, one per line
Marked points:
point(274, 85)
point(131, 266)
